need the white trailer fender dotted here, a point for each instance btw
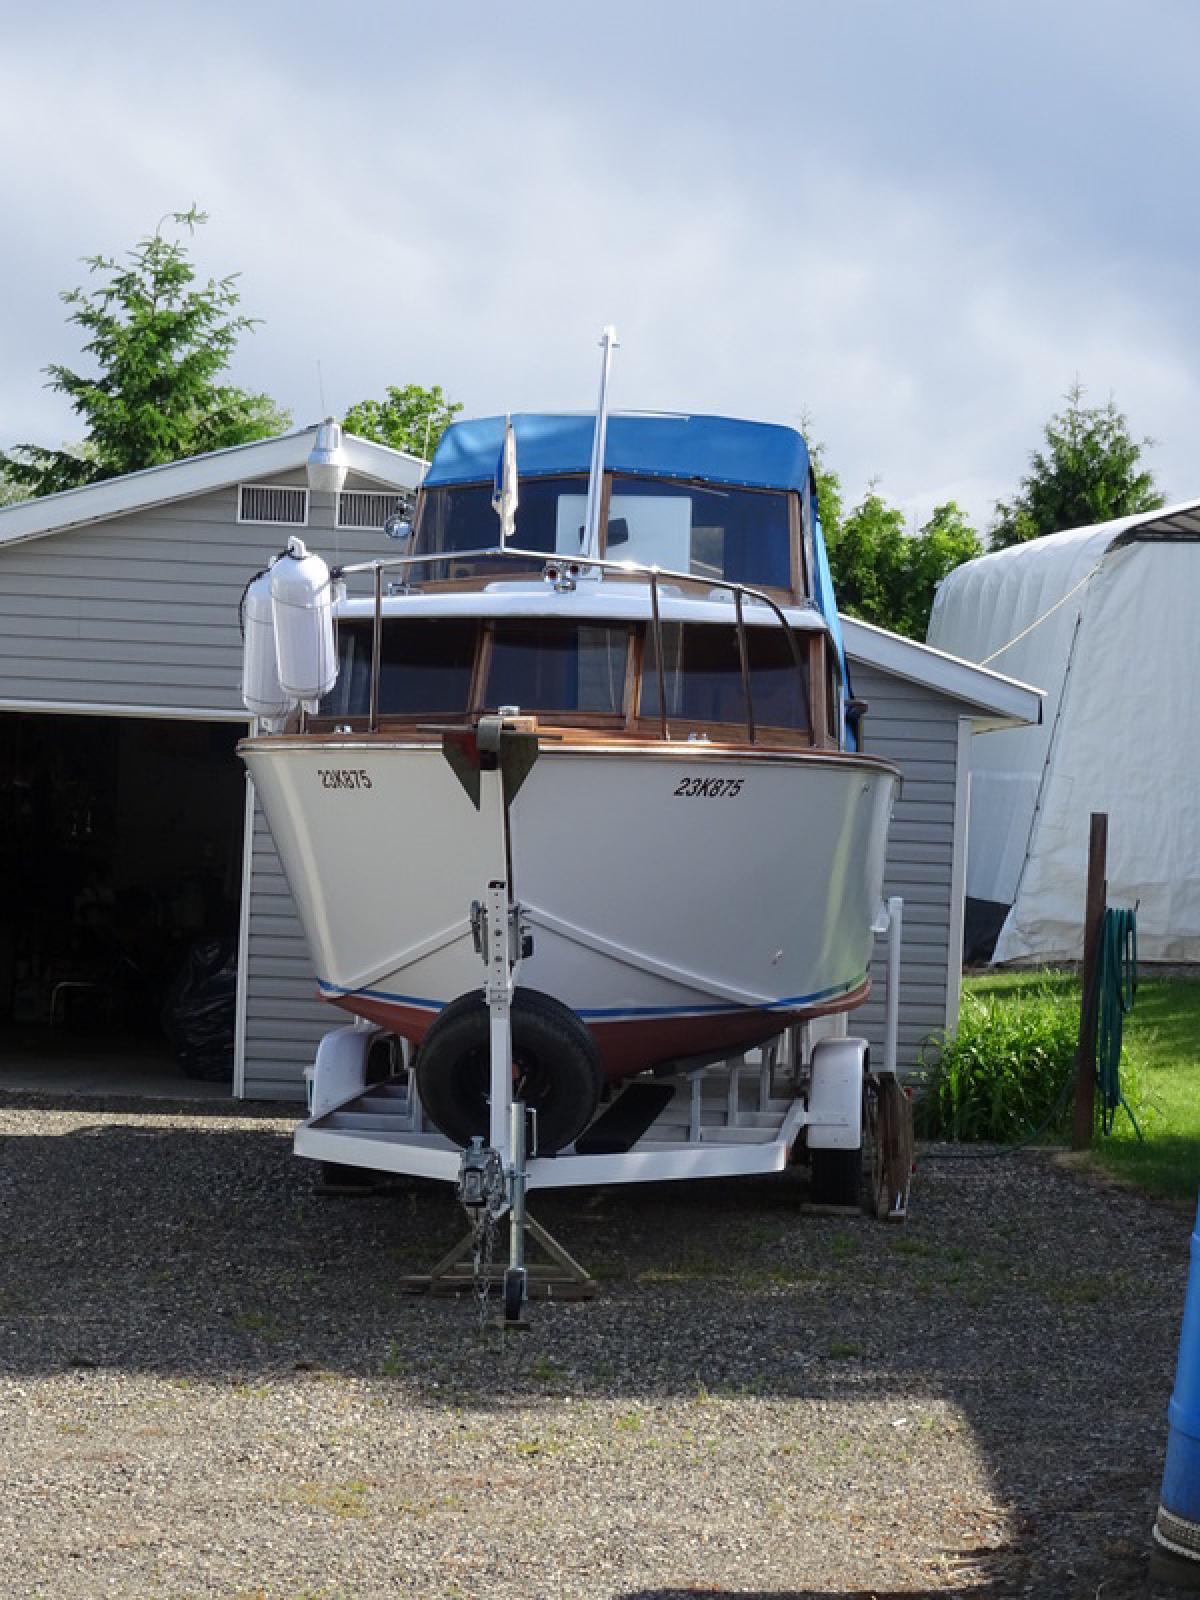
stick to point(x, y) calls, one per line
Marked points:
point(835, 1097)
point(340, 1070)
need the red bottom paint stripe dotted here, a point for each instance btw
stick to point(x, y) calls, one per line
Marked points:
point(635, 1044)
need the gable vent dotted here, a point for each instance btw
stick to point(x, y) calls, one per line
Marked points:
point(270, 502)
point(368, 508)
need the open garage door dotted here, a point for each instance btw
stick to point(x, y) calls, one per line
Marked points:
point(121, 855)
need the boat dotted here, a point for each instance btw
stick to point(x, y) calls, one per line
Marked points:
point(646, 645)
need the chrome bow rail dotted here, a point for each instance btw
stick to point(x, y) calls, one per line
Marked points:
point(564, 573)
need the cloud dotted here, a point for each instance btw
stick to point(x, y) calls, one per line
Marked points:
point(441, 215)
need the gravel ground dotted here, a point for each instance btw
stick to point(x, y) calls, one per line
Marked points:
point(212, 1383)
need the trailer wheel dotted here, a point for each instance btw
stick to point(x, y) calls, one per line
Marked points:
point(836, 1177)
point(556, 1068)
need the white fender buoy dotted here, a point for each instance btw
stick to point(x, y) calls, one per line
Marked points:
point(262, 693)
point(305, 652)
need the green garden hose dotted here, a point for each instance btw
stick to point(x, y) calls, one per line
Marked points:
point(1116, 987)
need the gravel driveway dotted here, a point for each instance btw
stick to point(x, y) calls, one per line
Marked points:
point(211, 1382)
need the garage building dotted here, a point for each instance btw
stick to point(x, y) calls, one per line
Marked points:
point(134, 860)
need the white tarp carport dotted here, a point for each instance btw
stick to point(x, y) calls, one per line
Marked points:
point(1105, 620)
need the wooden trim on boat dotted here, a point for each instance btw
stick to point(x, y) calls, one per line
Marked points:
point(633, 675)
point(606, 483)
point(818, 704)
point(485, 639)
point(564, 737)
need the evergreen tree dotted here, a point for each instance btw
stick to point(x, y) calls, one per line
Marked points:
point(159, 343)
point(1089, 471)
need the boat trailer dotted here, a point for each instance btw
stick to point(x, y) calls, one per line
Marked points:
point(733, 1118)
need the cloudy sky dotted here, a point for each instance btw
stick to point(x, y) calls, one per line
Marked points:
point(912, 222)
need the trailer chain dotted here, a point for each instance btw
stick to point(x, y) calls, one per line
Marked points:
point(483, 1192)
point(485, 1244)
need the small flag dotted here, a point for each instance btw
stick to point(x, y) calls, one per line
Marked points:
point(504, 489)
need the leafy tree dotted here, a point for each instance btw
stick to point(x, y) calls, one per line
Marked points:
point(889, 577)
point(829, 492)
point(160, 343)
point(410, 419)
point(1089, 471)
point(942, 543)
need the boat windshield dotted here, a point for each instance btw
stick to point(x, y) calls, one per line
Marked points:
point(550, 517)
point(425, 668)
point(741, 535)
point(737, 534)
point(702, 673)
point(558, 667)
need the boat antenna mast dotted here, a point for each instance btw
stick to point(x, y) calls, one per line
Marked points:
point(591, 524)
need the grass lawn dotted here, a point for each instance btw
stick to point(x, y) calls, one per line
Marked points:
point(1162, 1045)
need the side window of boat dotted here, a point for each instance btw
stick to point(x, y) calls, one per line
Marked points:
point(352, 691)
point(807, 519)
point(739, 534)
point(558, 667)
point(426, 667)
point(702, 673)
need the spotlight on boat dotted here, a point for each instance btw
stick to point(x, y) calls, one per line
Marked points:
point(561, 578)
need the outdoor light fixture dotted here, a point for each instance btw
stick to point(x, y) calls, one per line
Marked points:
point(327, 465)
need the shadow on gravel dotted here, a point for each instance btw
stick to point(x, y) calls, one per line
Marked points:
point(1018, 1303)
point(975, 1592)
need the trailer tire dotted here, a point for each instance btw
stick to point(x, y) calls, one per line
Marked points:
point(836, 1177)
point(556, 1068)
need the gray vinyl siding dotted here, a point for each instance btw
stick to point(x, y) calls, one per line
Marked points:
point(141, 611)
point(917, 728)
point(284, 1018)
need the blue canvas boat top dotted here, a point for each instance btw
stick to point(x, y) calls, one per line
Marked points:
point(648, 444)
point(751, 455)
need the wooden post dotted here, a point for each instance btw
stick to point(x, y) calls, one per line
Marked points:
point(1093, 921)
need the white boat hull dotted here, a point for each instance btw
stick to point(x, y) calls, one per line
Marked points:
point(682, 901)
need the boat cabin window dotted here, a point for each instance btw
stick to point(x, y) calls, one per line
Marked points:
point(702, 673)
point(426, 668)
point(550, 517)
point(553, 666)
point(452, 667)
point(742, 535)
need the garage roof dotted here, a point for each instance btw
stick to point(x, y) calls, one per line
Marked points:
point(176, 480)
point(990, 699)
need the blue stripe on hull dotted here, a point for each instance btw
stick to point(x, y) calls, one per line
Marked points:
point(795, 1002)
